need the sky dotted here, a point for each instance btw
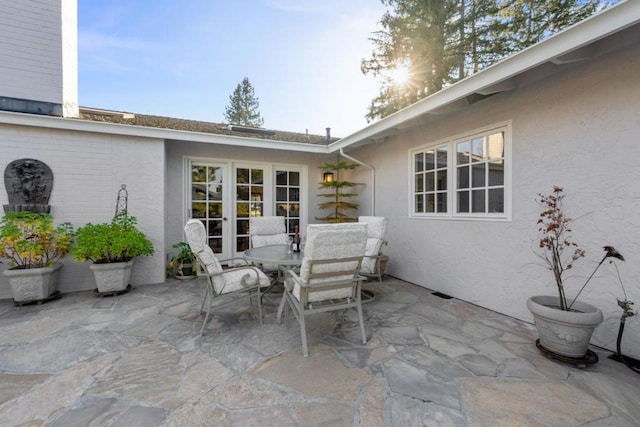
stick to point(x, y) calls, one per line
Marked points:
point(184, 58)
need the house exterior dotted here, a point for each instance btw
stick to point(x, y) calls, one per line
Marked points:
point(456, 174)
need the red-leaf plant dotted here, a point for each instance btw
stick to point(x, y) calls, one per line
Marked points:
point(557, 249)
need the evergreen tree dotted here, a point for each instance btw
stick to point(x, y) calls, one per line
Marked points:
point(443, 41)
point(243, 108)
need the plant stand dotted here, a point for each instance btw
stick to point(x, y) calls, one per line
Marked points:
point(581, 362)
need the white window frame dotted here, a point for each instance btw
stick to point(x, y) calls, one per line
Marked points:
point(452, 176)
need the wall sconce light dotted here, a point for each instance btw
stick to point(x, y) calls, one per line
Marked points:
point(327, 177)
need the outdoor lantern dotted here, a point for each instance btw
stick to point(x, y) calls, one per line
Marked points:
point(327, 177)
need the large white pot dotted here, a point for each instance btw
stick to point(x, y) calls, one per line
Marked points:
point(112, 277)
point(564, 332)
point(33, 284)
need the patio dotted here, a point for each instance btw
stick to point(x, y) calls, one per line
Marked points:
point(137, 359)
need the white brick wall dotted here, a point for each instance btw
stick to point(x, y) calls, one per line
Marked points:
point(38, 37)
point(88, 170)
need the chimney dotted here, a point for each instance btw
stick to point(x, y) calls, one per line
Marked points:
point(39, 57)
point(328, 134)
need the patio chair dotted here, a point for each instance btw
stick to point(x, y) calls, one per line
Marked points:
point(377, 226)
point(265, 231)
point(328, 278)
point(242, 278)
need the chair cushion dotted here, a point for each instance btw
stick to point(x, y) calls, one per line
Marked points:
point(377, 226)
point(270, 239)
point(233, 280)
point(262, 225)
point(331, 241)
point(368, 265)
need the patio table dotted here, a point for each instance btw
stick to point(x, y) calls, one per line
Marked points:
point(274, 255)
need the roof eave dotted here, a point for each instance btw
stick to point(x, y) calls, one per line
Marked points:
point(610, 21)
point(79, 125)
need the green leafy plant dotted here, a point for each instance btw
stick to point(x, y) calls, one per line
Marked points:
point(116, 241)
point(556, 247)
point(30, 240)
point(182, 258)
point(339, 193)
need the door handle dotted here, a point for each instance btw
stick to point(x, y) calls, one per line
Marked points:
point(224, 218)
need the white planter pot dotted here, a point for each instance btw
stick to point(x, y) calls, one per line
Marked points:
point(112, 277)
point(564, 332)
point(33, 284)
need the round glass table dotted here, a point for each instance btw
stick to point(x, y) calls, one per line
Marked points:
point(274, 255)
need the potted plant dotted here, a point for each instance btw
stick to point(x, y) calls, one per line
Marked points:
point(182, 265)
point(112, 247)
point(33, 246)
point(340, 192)
point(564, 325)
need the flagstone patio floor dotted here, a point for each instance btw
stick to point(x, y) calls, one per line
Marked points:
point(137, 360)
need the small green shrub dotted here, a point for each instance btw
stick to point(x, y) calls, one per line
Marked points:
point(116, 241)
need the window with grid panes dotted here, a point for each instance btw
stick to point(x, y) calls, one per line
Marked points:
point(463, 177)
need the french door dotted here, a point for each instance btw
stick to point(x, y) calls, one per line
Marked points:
point(224, 195)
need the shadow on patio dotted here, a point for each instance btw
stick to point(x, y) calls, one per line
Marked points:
point(137, 359)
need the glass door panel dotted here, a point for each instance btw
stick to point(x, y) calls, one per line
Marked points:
point(249, 202)
point(207, 203)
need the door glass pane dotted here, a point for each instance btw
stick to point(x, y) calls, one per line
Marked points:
point(431, 206)
point(206, 201)
point(242, 192)
point(257, 176)
point(287, 202)
point(281, 178)
point(294, 178)
point(442, 157)
point(242, 176)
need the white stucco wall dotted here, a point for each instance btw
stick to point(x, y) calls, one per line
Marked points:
point(88, 170)
point(175, 177)
point(578, 130)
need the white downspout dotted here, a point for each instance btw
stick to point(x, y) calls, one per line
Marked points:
point(373, 179)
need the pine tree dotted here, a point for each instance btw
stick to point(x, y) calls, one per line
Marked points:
point(340, 191)
point(444, 41)
point(243, 108)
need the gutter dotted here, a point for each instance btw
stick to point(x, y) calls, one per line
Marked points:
point(373, 179)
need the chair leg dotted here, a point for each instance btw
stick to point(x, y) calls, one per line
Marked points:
point(206, 317)
point(259, 304)
point(303, 334)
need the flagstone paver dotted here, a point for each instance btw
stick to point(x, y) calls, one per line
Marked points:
point(138, 359)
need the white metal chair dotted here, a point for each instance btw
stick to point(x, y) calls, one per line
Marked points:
point(376, 227)
point(328, 278)
point(243, 278)
point(265, 231)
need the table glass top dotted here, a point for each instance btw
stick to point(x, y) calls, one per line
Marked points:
point(274, 254)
